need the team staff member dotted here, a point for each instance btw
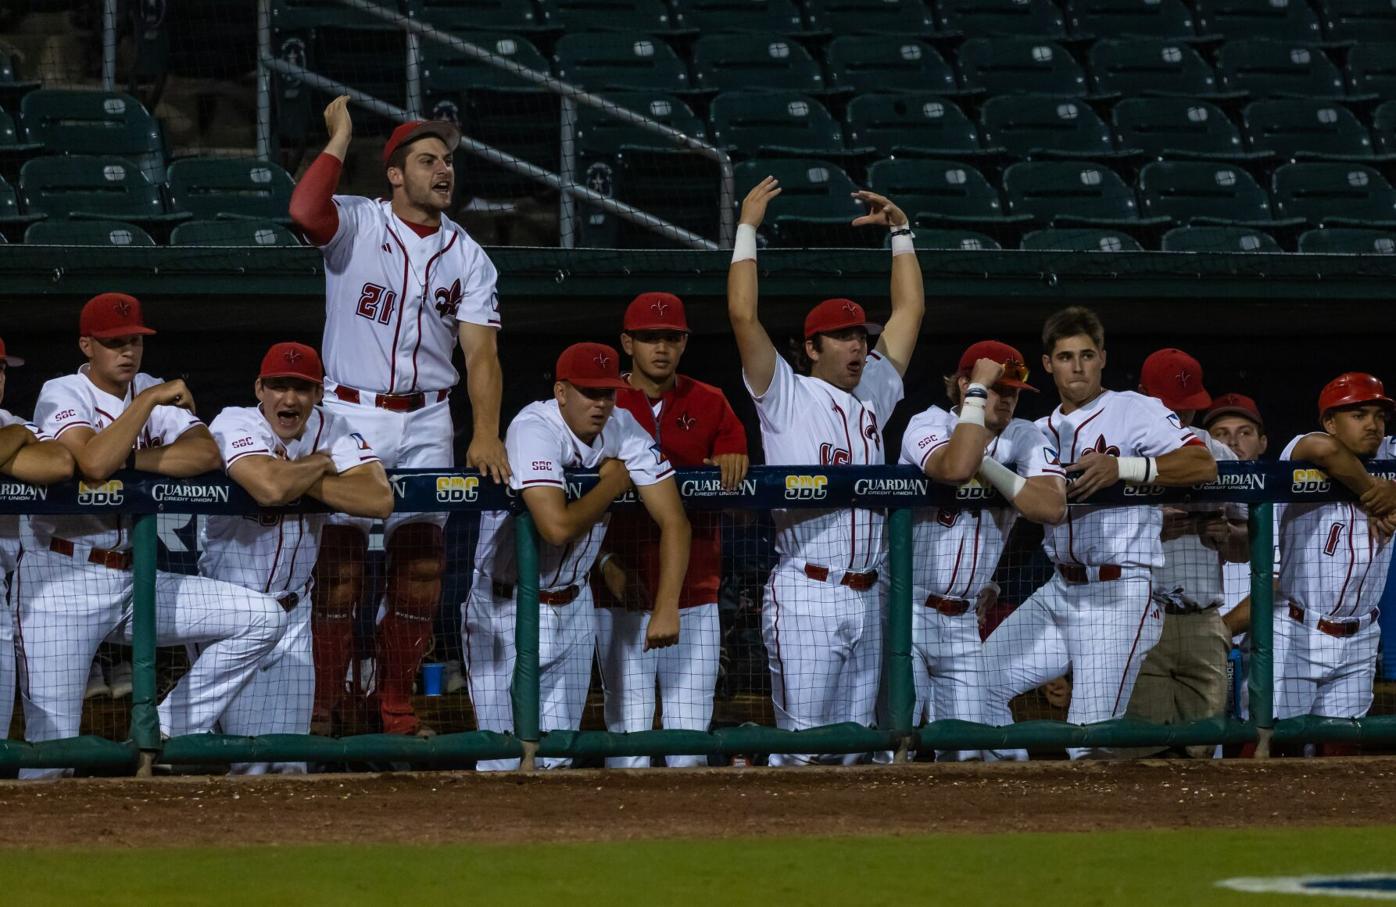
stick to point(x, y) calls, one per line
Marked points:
point(822, 616)
point(284, 448)
point(1235, 421)
point(402, 283)
point(694, 425)
point(74, 579)
point(579, 428)
point(1095, 616)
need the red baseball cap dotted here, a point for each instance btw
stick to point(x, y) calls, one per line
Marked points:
point(9, 360)
point(292, 360)
point(419, 129)
point(655, 312)
point(1015, 369)
point(1233, 405)
point(1175, 378)
point(590, 365)
point(833, 315)
point(1352, 389)
point(112, 315)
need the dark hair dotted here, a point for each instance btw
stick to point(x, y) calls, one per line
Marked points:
point(1072, 321)
point(952, 389)
point(799, 359)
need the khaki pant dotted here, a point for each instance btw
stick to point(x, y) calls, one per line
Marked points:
point(1184, 676)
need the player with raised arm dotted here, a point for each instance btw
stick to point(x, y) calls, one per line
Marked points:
point(822, 616)
point(403, 283)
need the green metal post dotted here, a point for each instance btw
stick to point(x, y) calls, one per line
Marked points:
point(145, 720)
point(525, 687)
point(901, 686)
point(1262, 633)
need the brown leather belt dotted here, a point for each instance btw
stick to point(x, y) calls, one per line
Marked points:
point(950, 607)
point(858, 581)
point(1077, 574)
point(102, 557)
point(556, 598)
point(397, 403)
point(1339, 628)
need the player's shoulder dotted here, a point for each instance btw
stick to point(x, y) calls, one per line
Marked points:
point(1023, 430)
point(75, 383)
point(540, 414)
point(931, 417)
point(1135, 402)
point(8, 418)
point(1288, 452)
point(234, 417)
point(361, 204)
point(687, 386)
point(623, 423)
point(1218, 450)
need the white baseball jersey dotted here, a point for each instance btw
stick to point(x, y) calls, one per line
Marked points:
point(806, 422)
point(1191, 575)
point(1122, 424)
point(1329, 562)
point(393, 299)
point(73, 401)
point(273, 552)
point(957, 550)
point(540, 447)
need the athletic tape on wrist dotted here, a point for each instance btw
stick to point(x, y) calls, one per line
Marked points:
point(972, 411)
point(1137, 470)
point(744, 245)
point(1008, 482)
point(903, 243)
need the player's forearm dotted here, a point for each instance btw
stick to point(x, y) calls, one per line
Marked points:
point(107, 450)
point(312, 203)
point(363, 491)
point(1042, 500)
point(1191, 465)
point(675, 542)
point(278, 482)
point(958, 461)
point(1336, 460)
point(41, 463)
point(189, 456)
point(1236, 549)
point(485, 385)
point(13, 439)
point(580, 515)
point(754, 347)
point(908, 293)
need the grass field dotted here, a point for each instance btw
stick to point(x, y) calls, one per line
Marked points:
point(1139, 869)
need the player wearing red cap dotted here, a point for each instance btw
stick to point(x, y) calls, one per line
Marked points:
point(284, 448)
point(976, 443)
point(1235, 421)
point(579, 428)
point(822, 614)
point(75, 584)
point(402, 284)
point(694, 425)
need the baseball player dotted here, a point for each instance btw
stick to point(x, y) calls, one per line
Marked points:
point(286, 447)
point(74, 577)
point(1235, 421)
point(977, 441)
point(1334, 557)
point(1184, 676)
point(694, 425)
point(822, 615)
point(402, 284)
point(1095, 616)
point(579, 428)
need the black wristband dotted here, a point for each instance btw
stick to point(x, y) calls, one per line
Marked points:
point(901, 231)
point(131, 460)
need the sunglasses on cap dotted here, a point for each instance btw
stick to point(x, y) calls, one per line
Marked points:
point(1015, 370)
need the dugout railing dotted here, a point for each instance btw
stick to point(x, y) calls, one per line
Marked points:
point(897, 489)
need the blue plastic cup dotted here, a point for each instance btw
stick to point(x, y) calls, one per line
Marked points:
point(432, 677)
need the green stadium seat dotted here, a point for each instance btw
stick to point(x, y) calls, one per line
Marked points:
point(777, 124)
point(1371, 69)
point(1168, 19)
point(95, 122)
point(953, 240)
point(1300, 128)
point(940, 192)
point(1179, 128)
point(880, 63)
point(446, 71)
point(916, 125)
point(1384, 127)
point(13, 141)
point(992, 18)
point(87, 233)
point(1275, 20)
point(305, 15)
point(1362, 21)
point(815, 206)
point(83, 187)
point(1277, 69)
point(598, 133)
point(1150, 66)
point(464, 16)
point(602, 61)
point(1036, 126)
point(1346, 241)
point(650, 16)
point(1069, 194)
point(1218, 239)
point(232, 233)
point(1017, 65)
point(742, 62)
point(776, 17)
point(1080, 240)
point(1334, 195)
point(13, 90)
point(10, 216)
point(903, 18)
point(1205, 192)
point(230, 187)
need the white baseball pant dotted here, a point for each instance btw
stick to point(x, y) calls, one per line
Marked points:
point(948, 666)
point(1319, 674)
point(7, 668)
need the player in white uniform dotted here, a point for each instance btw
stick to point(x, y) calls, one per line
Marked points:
point(580, 428)
point(1095, 616)
point(402, 284)
point(978, 443)
point(1334, 558)
point(286, 447)
point(822, 614)
point(74, 582)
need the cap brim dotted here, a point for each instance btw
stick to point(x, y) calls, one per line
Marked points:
point(681, 328)
point(1197, 402)
point(122, 332)
point(1215, 414)
point(13, 361)
point(292, 375)
point(871, 327)
point(597, 383)
point(1013, 382)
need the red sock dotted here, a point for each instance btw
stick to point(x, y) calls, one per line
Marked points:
point(402, 640)
point(332, 642)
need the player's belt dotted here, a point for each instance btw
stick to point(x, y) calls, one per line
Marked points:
point(950, 607)
point(1078, 574)
point(102, 557)
point(288, 600)
point(1181, 607)
point(397, 403)
point(556, 597)
point(858, 581)
point(1339, 628)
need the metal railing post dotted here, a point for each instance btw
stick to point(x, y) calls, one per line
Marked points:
point(567, 172)
point(109, 45)
point(263, 80)
point(1262, 633)
point(901, 685)
point(414, 76)
point(145, 719)
point(524, 690)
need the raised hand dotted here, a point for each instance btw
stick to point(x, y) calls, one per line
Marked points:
point(754, 205)
point(882, 212)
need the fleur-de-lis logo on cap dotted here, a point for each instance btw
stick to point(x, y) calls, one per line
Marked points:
point(292, 356)
point(659, 307)
point(602, 360)
point(851, 308)
point(121, 307)
point(1184, 377)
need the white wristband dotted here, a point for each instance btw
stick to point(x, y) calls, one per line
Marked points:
point(903, 244)
point(1137, 470)
point(744, 246)
point(1008, 482)
point(972, 411)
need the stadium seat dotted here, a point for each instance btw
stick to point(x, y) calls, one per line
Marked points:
point(1179, 128)
point(1019, 65)
point(1218, 239)
point(742, 62)
point(777, 124)
point(1150, 66)
point(605, 61)
point(10, 216)
point(904, 18)
point(1334, 195)
point(992, 18)
point(777, 17)
point(1384, 127)
point(1168, 19)
point(232, 233)
point(598, 133)
point(1371, 69)
point(304, 15)
point(918, 125)
point(12, 90)
point(816, 204)
point(1205, 192)
point(86, 233)
point(885, 63)
point(1277, 69)
point(1344, 241)
point(1362, 21)
point(464, 16)
point(1299, 129)
point(1080, 240)
point(1030, 125)
point(446, 71)
point(954, 240)
point(229, 187)
point(13, 142)
point(650, 16)
point(81, 187)
point(95, 122)
point(1060, 193)
point(940, 192)
point(1275, 20)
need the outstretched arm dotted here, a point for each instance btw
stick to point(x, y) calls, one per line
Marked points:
point(898, 340)
point(484, 381)
point(754, 345)
point(312, 209)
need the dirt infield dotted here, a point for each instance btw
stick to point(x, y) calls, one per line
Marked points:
point(593, 805)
